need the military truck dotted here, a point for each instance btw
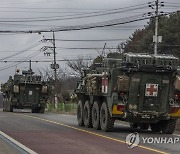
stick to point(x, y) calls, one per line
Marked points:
point(142, 89)
point(25, 90)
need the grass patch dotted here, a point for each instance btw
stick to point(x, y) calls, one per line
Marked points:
point(63, 108)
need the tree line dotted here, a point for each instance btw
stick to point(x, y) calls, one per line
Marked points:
point(169, 28)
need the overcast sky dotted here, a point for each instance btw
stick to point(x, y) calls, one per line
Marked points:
point(26, 15)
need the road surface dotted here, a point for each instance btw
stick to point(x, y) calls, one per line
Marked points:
point(56, 133)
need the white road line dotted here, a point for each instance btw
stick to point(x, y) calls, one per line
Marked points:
point(17, 143)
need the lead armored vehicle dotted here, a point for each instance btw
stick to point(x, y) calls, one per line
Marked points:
point(25, 90)
point(141, 89)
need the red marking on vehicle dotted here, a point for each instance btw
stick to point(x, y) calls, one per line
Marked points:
point(151, 89)
point(121, 107)
point(104, 85)
point(176, 96)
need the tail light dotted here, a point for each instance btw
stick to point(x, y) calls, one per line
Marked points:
point(174, 103)
point(121, 107)
point(122, 95)
point(176, 96)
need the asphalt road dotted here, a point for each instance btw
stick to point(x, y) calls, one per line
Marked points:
point(56, 133)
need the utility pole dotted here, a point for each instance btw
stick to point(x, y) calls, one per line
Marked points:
point(103, 52)
point(55, 71)
point(54, 53)
point(54, 66)
point(156, 28)
point(156, 39)
point(30, 68)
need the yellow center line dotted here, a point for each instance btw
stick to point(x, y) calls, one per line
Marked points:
point(92, 133)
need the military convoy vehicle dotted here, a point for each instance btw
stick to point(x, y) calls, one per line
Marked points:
point(142, 89)
point(25, 90)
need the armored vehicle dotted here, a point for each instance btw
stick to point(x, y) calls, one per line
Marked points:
point(25, 90)
point(142, 89)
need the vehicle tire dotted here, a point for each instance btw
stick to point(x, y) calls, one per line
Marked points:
point(155, 127)
point(5, 104)
point(10, 108)
point(95, 116)
point(144, 126)
point(34, 110)
point(106, 121)
point(41, 110)
point(168, 126)
point(4, 109)
point(87, 114)
point(133, 125)
point(80, 113)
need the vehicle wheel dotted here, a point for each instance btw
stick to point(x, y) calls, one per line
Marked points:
point(10, 108)
point(34, 110)
point(155, 127)
point(87, 114)
point(106, 121)
point(4, 109)
point(41, 110)
point(144, 126)
point(80, 112)
point(95, 116)
point(5, 104)
point(168, 126)
point(133, 125)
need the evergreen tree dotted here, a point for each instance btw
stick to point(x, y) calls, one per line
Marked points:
point(169, 28)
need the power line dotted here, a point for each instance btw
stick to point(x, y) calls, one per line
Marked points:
point(52, 12)
point(56, 8)
point(80, 27)
point(90, 40)
point(22, 51)
point(69, 18)
point(55, 26)
point(90, 48)
point(172, 3)
point(37, 61)
point(86, 26)
point(20, 61)
point(98, 13)
point(168, 5)
point(85, 48)
point(46, 1)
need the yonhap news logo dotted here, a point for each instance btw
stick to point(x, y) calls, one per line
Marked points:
point(134, 139)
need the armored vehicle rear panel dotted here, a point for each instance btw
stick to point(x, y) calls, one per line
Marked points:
point(138, 88)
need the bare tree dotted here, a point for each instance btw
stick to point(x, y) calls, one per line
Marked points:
point(79, 64)
point(64, 82)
